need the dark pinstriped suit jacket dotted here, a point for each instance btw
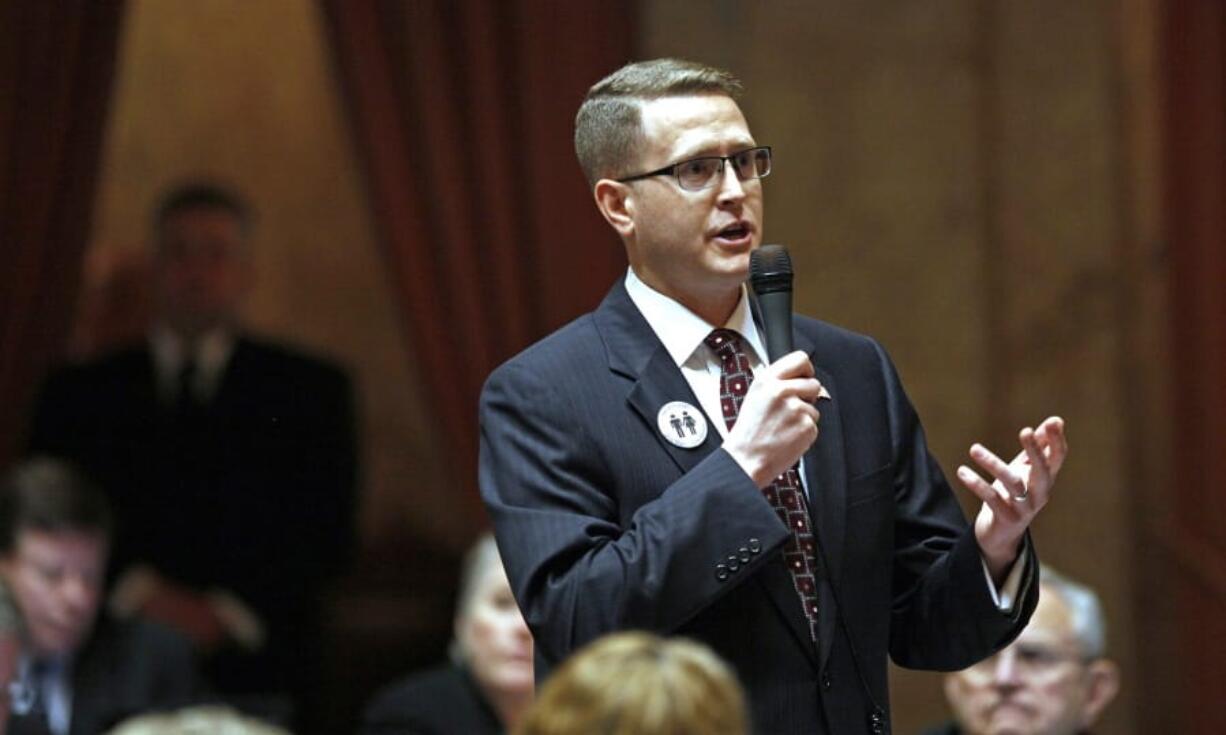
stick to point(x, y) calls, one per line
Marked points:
point(604, 525)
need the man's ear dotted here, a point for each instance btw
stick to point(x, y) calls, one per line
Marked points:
point(1104, 685)
point(615, 201)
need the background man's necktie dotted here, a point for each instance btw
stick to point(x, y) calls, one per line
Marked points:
point(189, 407)
point(784, 493)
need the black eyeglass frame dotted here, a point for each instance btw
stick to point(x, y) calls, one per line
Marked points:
point(671, 169)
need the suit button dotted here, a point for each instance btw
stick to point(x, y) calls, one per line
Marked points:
point(754, 546)
point(826, 680)
point(721, 572)
point(733, 563)
point(743, 553)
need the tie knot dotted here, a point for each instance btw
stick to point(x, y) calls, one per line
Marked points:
point(723, 340)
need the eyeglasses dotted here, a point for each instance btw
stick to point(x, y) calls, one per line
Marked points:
point(1030, 661)
point(695, 174)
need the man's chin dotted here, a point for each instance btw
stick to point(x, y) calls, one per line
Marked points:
point(56, 647)
point(734, 268)
point(58, 642)
point(1010, 720)
point(192, 326)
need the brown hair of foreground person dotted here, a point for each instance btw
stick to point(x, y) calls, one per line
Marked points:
point(639, 684)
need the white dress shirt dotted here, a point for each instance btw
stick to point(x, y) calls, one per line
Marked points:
point(49, 690)
point(211, 352)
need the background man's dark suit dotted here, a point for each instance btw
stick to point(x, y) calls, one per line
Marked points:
point(435, 702)
point(253, 492)
point(604, 525)
point(125, 668)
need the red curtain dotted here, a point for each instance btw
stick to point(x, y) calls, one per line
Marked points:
point(56, 66)
point(1194, 58)
point(462, 113)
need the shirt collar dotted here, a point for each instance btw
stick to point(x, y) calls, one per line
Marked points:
point(681, 330)
point(211, 350)
point(170, 352)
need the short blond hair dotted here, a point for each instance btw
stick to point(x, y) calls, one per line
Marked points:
point(203, 720)
point(639, 684)
point(608, 126)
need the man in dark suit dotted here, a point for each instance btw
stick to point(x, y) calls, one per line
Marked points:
point(230, 459)
point(76, 673)
point(645, 467)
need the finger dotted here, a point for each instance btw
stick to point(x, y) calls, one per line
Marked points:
point(991, 496)
point(792, 365)
point(1052, 436)
point(803, 407)
point(1040, 475)
point(997, 468)
point(807, 389)
point(1051, 433)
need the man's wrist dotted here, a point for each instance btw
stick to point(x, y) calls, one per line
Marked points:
point(1000, 558)
point(747, 464)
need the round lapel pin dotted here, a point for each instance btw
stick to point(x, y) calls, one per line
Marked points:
point(682, 425)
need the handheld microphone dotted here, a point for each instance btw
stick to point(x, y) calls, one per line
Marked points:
point(770, 274)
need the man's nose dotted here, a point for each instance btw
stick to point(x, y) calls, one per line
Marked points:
point(1005, 672)
point(77, 592)
point(730, 186)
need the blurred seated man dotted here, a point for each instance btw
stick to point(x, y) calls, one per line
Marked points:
point(229, 457)
point(640, 684)
point(1054, 679)
point(490, 681)
point(76, 672)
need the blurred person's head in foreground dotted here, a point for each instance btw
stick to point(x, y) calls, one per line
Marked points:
point(637, 683)
point(212, 720)
point(1054, 679)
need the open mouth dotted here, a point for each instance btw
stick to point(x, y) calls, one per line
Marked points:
point(734, 231)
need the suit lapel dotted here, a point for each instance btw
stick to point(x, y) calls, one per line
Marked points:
point(230, 388)
point(635, 352)
point(93, 692)
point(826, 480)
point(662, 383)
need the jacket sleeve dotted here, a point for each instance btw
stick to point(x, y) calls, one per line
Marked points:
point(943, 614)
point(597, 532)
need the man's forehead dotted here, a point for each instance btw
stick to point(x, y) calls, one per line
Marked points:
point(1052, 620)
point(202, 217)
point(37, 542)
point(694, 123)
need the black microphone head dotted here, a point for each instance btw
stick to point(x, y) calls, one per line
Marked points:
point(770, 269)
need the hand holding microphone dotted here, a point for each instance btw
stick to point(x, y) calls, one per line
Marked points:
point(778, 420)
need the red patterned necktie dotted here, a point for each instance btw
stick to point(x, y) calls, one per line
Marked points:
point(784, 493)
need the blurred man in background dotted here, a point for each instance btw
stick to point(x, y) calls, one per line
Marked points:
point(229, 459)
point(1055, 679)
point(76, 672)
